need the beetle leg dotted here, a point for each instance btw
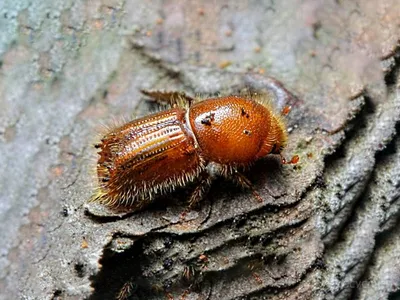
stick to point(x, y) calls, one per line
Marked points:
point(245, 183)
point(201, 189)
point(198, 193)
point(173, 99)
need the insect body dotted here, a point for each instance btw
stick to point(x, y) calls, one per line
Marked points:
point(155, 154)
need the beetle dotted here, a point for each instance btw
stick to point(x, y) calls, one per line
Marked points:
point(191, 141)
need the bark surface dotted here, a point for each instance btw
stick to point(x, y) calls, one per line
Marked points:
point(328, 227)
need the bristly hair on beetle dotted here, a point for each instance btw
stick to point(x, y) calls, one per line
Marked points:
point(194, 140)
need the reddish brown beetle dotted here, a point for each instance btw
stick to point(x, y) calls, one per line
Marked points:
point(191, 141)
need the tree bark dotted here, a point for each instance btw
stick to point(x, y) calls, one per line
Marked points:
point(328, 227)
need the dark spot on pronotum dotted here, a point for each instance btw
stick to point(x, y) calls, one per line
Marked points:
point(247, 132)
point(244, 113)
point(208, 119)
point(105, 179)
point(97, 146)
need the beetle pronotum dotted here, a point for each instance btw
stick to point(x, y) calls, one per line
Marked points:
point(193, 140)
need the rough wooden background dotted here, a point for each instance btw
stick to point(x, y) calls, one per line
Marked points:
point(329, 226)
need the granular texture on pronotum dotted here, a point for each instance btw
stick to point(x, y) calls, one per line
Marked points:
point(194, 141)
